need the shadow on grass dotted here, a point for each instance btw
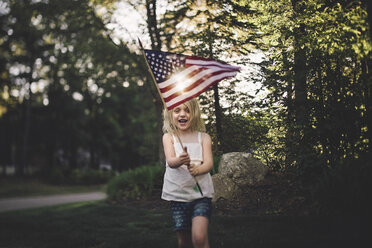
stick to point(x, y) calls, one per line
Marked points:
point(97, 224)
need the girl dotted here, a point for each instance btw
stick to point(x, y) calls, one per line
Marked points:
point(187, 182)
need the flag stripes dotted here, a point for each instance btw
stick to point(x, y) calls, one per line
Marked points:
point(181, 96)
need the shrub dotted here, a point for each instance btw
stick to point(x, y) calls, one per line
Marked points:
point(135, 184)
point(53, 175)
point(216, 163)
point(57, 176)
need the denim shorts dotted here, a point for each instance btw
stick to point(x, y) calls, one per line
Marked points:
point(184, 212)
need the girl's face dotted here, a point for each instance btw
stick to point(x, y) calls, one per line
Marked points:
point(181, 117)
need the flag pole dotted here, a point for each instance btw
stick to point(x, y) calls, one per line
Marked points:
point(152, 74)
point(157, 87)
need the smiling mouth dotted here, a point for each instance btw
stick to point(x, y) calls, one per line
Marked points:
point(182, 121)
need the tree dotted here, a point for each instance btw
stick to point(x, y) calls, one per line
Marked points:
point(217, 30)
point(24, 48)
point(87, 90)
point(316, 51)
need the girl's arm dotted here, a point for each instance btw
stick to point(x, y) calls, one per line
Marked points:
point(207, 157)
point(170, 155)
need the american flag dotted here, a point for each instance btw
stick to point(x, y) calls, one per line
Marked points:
point(181, 77)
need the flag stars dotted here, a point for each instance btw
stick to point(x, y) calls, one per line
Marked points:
point(163, 65)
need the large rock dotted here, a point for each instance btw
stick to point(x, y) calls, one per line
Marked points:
point(242, 168)
point(224, 187)
point(237, 170)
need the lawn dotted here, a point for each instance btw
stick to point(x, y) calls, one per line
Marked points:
point(99, 225)
point(14, 187)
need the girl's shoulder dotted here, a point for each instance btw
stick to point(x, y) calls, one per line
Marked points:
point(168, 137)
point(205, 136)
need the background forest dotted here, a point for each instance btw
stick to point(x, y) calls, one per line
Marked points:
point(74, 95)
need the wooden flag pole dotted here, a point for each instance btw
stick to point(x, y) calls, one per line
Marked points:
point(157, 87)
point(152, 74)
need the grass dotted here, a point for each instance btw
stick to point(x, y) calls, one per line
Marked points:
point(15, 187)
point(86, 225)
point(99, 225)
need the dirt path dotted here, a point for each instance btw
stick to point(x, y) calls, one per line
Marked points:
point(10, 204)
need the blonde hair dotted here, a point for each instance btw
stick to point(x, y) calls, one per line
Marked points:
point(197, 123)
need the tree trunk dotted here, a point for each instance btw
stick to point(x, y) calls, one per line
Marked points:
point(367, 81)
point(26, 133)
point(290, 107)
point(217, 106)
point(217, 109)
point(368, 7)
point(300, 91)
point(26, 129)
point(159, 118)
point(73, 154)
point(152, 26)
point(299, 69)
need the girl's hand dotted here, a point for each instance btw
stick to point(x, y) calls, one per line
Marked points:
point(184, 157)
point(193, 169)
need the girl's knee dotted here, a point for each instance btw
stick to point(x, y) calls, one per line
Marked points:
point(184, 240)
point(200, 232)
point(200, 240)
point(184, 244)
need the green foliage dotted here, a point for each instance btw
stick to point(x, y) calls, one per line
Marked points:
point(318, 55)
point(240, 133)
point(216, 163)
point(271, 149)
point(138, 183)
point(244, 133)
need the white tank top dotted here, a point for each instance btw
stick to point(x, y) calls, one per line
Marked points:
point(179, 185)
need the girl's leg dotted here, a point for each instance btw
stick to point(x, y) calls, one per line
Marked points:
point(184, 239)
point(200, 232)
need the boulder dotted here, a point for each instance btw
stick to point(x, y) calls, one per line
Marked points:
point(224, 187)
point(242, 168)
point(237, 170)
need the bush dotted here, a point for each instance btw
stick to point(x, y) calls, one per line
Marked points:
point(135, 184)
point(216, 163)
point(53, 175)
point(56, 176)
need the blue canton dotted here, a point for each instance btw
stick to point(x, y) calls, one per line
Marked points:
point(164, 64)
